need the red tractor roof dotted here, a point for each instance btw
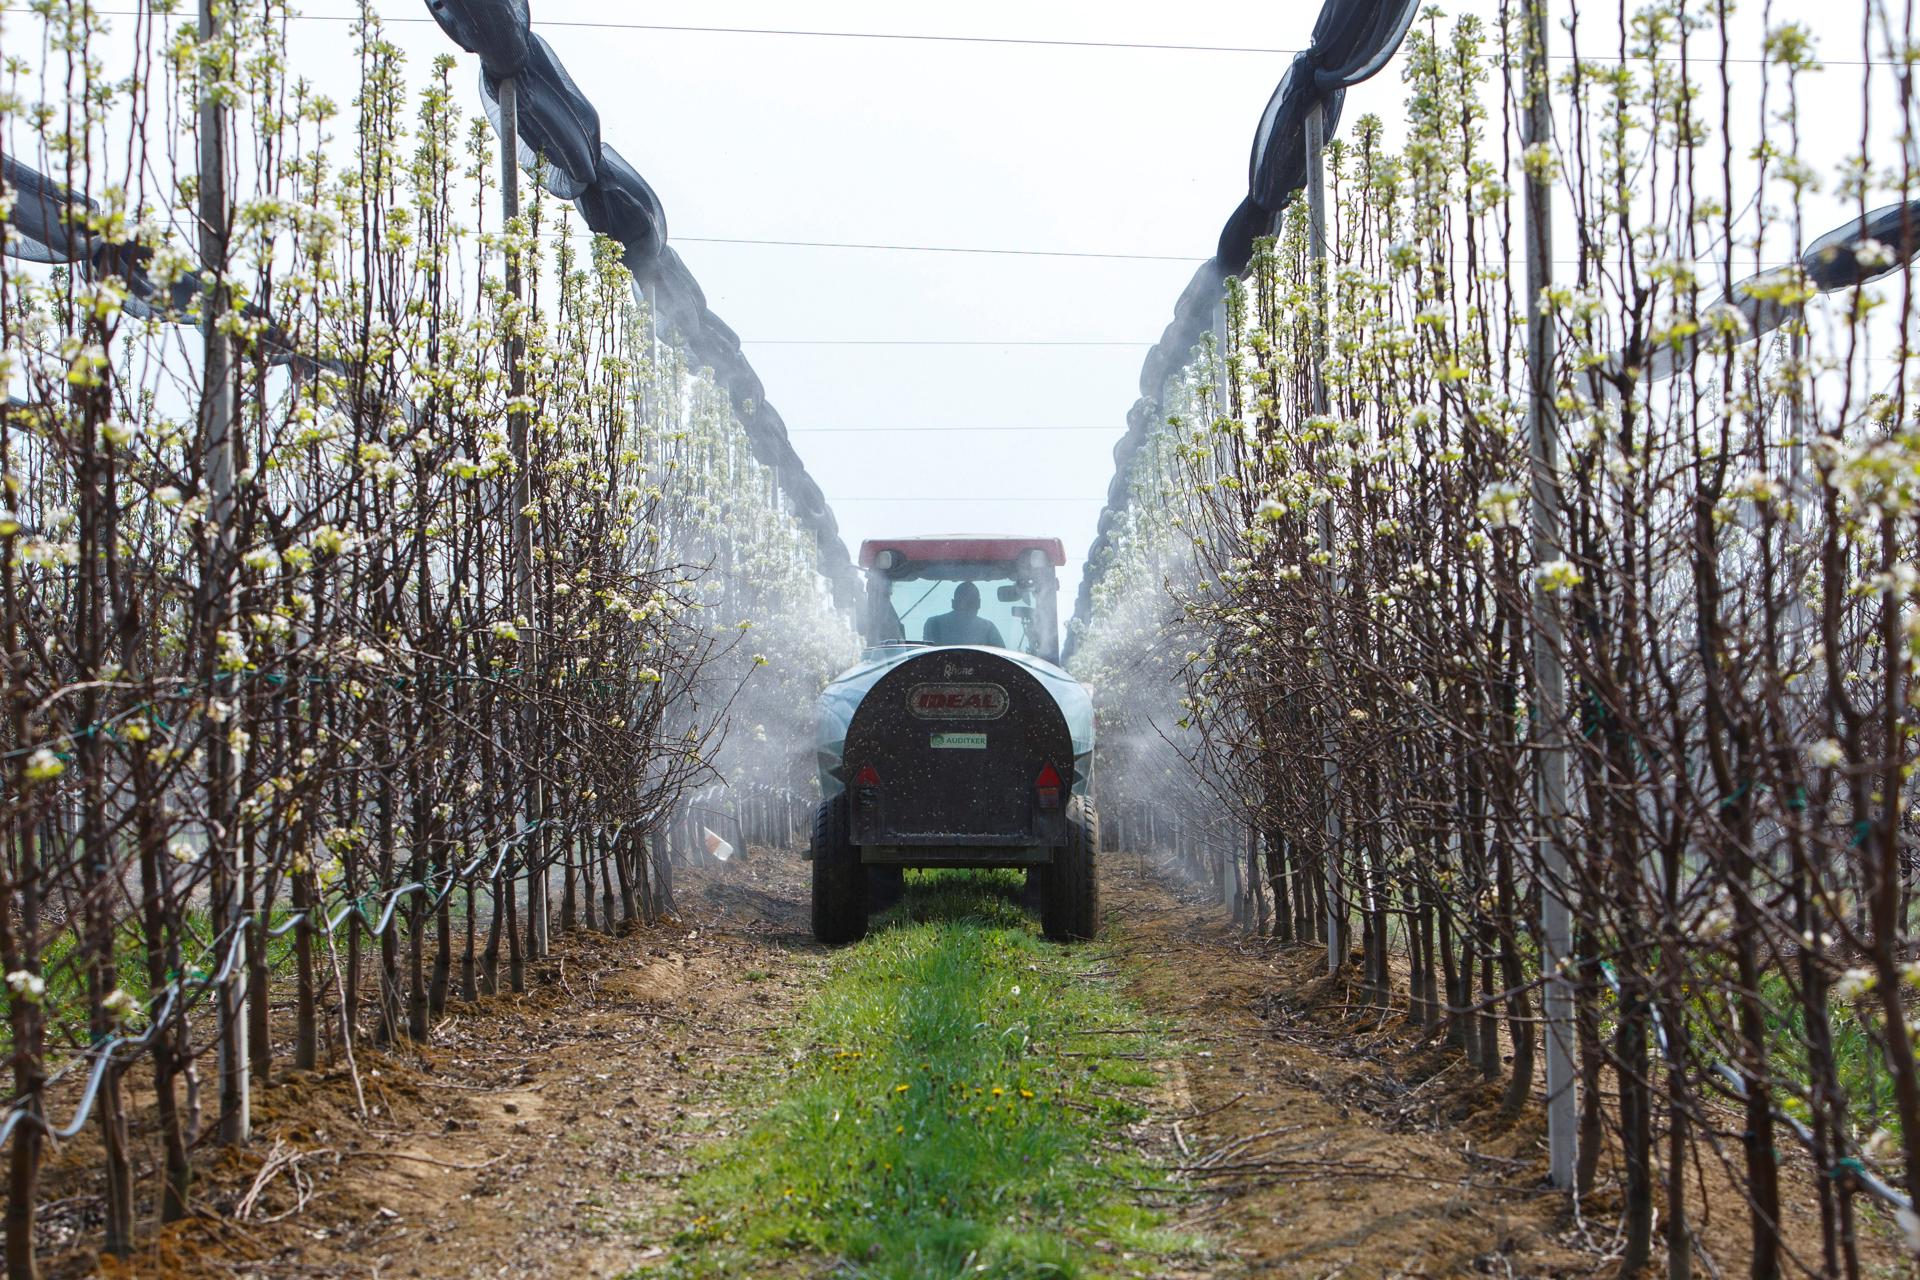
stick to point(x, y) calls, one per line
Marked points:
point(962, 546)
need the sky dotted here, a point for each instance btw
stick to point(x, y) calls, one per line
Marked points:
point(927, 392)
point(933, 391)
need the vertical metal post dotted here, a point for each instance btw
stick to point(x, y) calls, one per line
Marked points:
point(1549, 722)
point(517, 430)
point(1330, 735)
point(1222, 399)
point(218, 422)
point(1220, 451)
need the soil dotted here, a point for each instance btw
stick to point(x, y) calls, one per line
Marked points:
point(543, 1135)
point(1314, 1146)
point(1329, 1138)
point(538, 1136)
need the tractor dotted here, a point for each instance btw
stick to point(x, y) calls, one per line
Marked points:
point(957, 741)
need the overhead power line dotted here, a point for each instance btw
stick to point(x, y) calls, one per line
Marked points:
point(603, 24)
point(1705, 60)
point(918, 36)
point(936, 342)
point(942, 248)
point(581, 233)
point(923, 431)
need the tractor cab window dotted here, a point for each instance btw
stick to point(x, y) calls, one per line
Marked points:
point(984, 605)
point(963, 624)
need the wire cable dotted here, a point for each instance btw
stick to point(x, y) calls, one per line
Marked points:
point(940, 248)
point(601, 24)
point(939, 342)
point(924, 431)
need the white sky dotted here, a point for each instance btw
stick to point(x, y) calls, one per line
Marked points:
point(961, 144)
point(909, 142)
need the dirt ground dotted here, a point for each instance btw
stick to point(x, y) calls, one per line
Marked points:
point(1310, 1152)
point(538, 1136)
point(542, 1136)
point(1327, 1139)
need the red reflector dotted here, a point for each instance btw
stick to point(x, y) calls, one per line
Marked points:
point(867, 777)
point(1046, 787)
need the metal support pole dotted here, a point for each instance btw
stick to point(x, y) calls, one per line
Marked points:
point(1222, 400)
point(1549, 723)
point(517, 430)
point(218, 420)
point(1330, 736)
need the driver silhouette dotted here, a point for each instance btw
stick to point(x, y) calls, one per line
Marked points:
point(963, 625)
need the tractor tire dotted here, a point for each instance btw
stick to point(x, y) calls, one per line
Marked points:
point(885, 885)
point(839, 881)
point(1069, 892)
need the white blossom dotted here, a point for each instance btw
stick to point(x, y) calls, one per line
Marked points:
point(1503, 504)
point(1558, 575)
point(1853, 984)
point(27, 988)
point(44, 766)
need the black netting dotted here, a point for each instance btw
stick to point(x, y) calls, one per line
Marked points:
point(718, 332)
point(676, 294)
point(500, 31)
point(780, 455)
point(1249, 223)
point(48, 223)
point(1278, 165)
point(1853, 253)
point(1192, 317)
point(559, 129)
point(1887, 236)
point(145, 299)
point(621, 205)
point(765, 418)
point(1352, 40)
point(805, 493)
point(560, 145)
point(748, 391)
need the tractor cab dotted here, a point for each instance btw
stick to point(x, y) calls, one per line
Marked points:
point(998, 592)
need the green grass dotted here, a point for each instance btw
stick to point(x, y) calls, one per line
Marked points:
point(62, 964)
point(1859, 1052)
point(1859, 1058)
point(936, 1117)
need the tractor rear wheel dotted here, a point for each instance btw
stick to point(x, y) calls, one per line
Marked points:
point(839, 881)
point(1069, 894)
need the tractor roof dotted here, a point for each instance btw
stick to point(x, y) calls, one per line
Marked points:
point(962, 546)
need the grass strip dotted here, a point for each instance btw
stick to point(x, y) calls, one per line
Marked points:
point(944, 1113)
